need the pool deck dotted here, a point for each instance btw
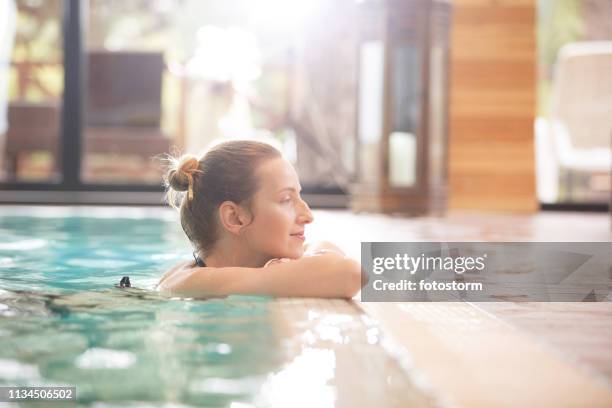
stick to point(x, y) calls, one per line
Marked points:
point(476, 354)
point(338, 356)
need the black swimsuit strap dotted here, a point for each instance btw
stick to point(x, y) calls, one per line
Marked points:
point(198, 260)
point(124, 283)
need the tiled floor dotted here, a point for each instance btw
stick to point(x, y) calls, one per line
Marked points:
point(482, 354)
point(579, 333)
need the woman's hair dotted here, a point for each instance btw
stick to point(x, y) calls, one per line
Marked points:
point(226, 172)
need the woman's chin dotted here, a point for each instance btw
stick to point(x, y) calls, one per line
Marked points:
point(294, 251)
point(295, 254)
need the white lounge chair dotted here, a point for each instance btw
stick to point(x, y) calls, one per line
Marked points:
point(579, 125)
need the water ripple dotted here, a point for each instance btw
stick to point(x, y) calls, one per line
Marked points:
point(99, 358)
point(24, 245)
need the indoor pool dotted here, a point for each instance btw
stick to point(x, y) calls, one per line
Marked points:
point(64, 323)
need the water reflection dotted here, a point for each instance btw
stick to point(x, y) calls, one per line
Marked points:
point(304, 382)
point(336, 358)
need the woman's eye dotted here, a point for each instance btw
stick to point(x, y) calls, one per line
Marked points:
point(286, 200)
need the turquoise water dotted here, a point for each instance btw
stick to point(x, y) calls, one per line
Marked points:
point(62, 322)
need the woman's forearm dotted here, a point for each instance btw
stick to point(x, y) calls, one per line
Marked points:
point(329, 275)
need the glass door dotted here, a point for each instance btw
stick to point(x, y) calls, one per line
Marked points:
point(31, 87)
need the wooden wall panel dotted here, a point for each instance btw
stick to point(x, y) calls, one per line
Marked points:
point(493, 105)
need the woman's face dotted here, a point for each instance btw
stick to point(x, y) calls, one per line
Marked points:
point(280, 214)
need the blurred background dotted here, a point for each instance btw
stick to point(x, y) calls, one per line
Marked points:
point(464, 104)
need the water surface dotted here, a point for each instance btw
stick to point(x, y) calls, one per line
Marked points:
point(62, 322)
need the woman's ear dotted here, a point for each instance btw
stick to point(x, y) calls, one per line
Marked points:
point(233, 217)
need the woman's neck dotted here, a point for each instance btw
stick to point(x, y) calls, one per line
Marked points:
point(225, 256)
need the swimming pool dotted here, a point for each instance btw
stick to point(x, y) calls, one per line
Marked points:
point(62, 322)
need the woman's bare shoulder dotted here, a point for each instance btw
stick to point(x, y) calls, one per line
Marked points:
point(178, 268)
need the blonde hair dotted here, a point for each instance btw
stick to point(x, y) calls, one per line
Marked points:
point(180, 177)
point(197, 187)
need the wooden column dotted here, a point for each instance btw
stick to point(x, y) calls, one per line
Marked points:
point(493, 105)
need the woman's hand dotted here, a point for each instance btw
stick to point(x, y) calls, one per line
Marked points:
point(320, 247)
point(310, 249)
point(274, 261)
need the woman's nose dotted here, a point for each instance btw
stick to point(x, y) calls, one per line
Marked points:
point(306, 216)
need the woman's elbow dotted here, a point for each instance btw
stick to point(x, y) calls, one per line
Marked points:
point(353, 278)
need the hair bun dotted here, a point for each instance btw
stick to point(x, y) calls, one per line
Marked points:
point(180, 177)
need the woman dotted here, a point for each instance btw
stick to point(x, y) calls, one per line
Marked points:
point(244, 215)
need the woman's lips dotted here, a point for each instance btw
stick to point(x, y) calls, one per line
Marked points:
point(298, 236)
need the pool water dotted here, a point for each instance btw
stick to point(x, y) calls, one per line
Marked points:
point(62, 321)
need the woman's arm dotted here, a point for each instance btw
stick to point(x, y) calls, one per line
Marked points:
point(329, 275)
